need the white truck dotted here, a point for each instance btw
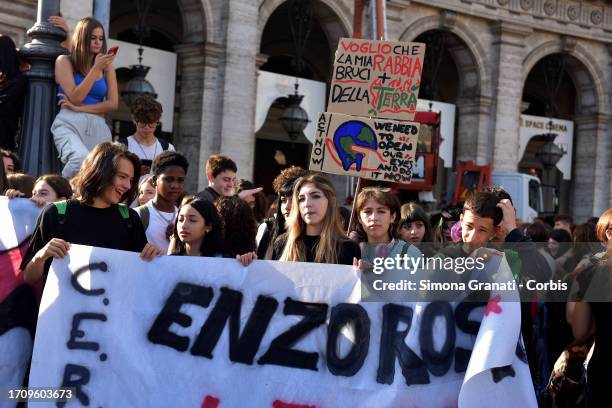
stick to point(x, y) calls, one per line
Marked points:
point(525, 191)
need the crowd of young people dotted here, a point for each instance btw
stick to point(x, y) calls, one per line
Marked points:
point(131, 196)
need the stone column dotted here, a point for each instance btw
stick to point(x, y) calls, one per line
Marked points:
point(508, 56)
point(472, 139)
point(239, 89)
point(590, 179)
point(609, 81)
point(601, 197)
point(101, 11)
point(188, 132)
point(211, 110)
point(36, 148)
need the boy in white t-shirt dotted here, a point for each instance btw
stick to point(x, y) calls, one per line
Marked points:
point(157, 216)
point(146, 113)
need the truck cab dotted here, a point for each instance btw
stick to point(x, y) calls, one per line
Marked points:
point(525, 191)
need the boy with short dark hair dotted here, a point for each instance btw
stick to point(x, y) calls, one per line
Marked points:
point(157, 215)
point(221, 174)
point(486, 219)
point(480, 220)
point(565, 222)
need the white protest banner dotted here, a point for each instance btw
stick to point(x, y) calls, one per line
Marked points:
point(17, 299)
point(372, 148)
point(376, 78)
point(207, 332)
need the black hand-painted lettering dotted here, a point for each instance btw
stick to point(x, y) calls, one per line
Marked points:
point(342, 315)
point(499, 373)
point(74, 280)
point(471, 327)
point(462, 359)
point(183, 293)
point(462, 317)
point(77, 333)
point(437, 362)
point(392, 344)
point(242, 347)
point(76, 376)
point(280, 351)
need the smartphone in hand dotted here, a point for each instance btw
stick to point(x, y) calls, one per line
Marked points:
point(113, 50)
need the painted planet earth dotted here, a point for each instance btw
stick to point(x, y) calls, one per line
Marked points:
point(349, 134)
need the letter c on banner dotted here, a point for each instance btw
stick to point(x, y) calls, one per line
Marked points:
point(74, 280)
point(342, 315)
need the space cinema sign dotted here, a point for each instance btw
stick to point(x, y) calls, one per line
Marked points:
point(208, 332)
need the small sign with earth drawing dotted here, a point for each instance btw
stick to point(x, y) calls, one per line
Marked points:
point(372, 148)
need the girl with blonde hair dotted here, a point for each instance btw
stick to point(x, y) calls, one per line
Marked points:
point(314, 227)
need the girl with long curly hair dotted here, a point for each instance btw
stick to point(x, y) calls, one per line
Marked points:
point(314, 228)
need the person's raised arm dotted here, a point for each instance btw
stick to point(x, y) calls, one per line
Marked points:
point(60, 22)
point(110, 104)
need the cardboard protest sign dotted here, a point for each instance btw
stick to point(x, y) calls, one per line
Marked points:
point(207, 332)
point(17, 298)
point(372, 148)
point(376, 78)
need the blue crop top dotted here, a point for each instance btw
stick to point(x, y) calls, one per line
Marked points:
point(96, 94)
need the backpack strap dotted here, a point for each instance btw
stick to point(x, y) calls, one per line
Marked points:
point(143, 213)
point(405, 249)
point(125, 214)
point(164, 143)
point(61, 210)
point(124, 211)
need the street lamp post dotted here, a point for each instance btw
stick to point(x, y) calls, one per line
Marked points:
point(36, 147)
point(138, 85)
point(549, 155)
point(294, 118)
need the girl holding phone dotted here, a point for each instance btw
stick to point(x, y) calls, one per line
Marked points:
point(87, 90)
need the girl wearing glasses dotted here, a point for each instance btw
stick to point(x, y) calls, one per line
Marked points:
point(87, 90)
point(314, 229)
point(378, 216)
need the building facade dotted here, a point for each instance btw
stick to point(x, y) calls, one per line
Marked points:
point(493, 60)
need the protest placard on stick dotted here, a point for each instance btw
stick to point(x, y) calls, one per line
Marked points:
point(377, 149)
point(376, 78)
